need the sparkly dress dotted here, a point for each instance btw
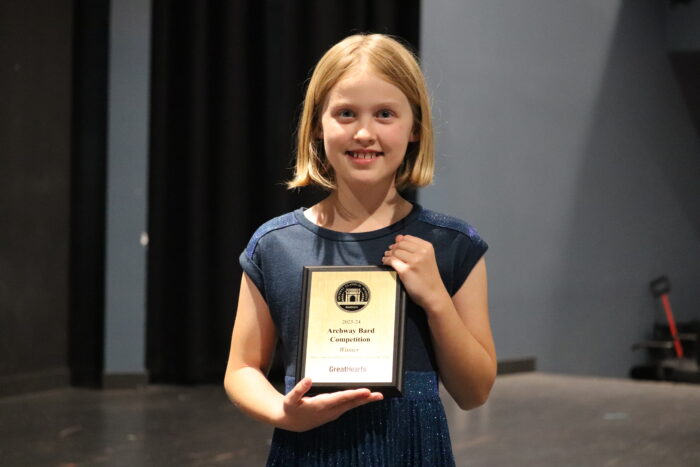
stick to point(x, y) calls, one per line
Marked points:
point(410, 430)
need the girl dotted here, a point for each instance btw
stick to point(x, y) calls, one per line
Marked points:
point(365, 133)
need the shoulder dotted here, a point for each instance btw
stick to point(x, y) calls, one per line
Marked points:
point(458, 246)
point(275, 225)
point(450, 224)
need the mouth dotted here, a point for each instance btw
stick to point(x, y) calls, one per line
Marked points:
point(364, 155)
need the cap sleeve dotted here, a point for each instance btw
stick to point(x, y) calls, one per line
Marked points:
point(253, 270)
point(470, 249)
point(251, 259)
point(461, 247)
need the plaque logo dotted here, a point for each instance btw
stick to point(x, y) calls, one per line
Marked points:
point(352, 296)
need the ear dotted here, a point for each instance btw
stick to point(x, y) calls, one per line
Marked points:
point(414, 137)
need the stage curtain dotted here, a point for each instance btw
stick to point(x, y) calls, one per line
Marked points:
point(227, 81)
point(88, 191)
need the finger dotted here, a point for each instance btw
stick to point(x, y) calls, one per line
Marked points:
point(372, 397)
point(349, 395)
point(398, 265)
point(302, 387)
point(406, 246)
point(415, 244)
point(401, 254)
point(404, 249)
point(334, 400)
point(344, 400)
point(410, 238)
point(351, 404)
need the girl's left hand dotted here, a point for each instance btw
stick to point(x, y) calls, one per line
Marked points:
point(414, 260)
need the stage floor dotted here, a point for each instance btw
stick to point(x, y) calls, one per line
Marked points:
point(531, 419)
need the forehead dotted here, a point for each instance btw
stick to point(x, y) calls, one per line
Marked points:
point(365, 84)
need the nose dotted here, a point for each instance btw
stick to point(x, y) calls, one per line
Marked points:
point(364, 134)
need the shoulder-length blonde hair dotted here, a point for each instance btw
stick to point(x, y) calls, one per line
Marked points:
point(393, 62)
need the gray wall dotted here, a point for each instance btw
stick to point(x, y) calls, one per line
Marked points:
point(563, 137)
point(127, 188)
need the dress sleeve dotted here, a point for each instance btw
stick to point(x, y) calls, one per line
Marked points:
point(252, 259)
point(250, 262)
point(470, 249)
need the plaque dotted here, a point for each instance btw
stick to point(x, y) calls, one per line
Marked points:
point(352, 329)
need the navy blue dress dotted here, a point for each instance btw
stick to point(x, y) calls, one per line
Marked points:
point(410, 430)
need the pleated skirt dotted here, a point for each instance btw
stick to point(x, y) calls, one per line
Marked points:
point(410, 430)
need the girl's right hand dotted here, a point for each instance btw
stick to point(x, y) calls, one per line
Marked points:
point(301, 413)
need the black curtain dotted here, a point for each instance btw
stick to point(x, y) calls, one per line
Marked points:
point(88, 191)
point(228, 78)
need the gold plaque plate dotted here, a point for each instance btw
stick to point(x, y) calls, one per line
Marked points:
point(352, 329)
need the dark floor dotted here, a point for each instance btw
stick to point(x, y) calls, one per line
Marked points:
point(532, 419)
point(536, 419)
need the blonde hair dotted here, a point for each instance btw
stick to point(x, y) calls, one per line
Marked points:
point(396, 64)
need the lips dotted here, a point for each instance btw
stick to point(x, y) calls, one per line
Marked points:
point(364, 155)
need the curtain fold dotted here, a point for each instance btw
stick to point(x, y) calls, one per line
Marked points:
point(228, 78)
point(88, 191)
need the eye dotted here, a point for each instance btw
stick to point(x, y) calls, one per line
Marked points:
point(385, 113)
point(346, 113)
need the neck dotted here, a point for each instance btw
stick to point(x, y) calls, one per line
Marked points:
point(360, 208)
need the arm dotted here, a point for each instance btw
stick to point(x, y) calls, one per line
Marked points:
point(252, 347)
point(459, 325)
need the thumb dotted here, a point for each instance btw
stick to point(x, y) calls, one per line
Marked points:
point(302, 387)
point(398, 265)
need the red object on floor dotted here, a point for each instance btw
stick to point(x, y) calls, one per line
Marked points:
point(672, 325)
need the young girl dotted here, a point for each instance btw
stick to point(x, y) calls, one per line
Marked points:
point(365, 132)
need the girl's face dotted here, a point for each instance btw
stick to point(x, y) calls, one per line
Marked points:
point(366, 126)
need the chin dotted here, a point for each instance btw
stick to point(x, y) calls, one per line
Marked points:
point(370, 182)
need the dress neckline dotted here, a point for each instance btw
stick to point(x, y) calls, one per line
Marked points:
point(357, 236)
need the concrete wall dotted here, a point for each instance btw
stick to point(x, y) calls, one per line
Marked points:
point(563, 137)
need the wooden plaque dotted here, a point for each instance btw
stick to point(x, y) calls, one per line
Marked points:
point(352, 329)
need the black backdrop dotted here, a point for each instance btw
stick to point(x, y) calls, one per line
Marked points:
point(88, 191)
point(227, 81)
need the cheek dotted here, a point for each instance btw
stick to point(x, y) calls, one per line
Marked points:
point(333, 135)
point(400, 136)
point(332, 145)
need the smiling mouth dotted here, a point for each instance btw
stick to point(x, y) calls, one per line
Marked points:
point(364, 155)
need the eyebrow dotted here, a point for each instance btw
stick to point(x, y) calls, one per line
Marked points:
point(344, 103)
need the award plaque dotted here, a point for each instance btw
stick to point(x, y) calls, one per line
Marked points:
point(352, 329)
